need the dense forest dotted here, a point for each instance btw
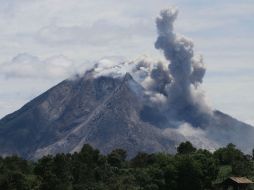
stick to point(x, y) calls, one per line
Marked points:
point(189, 169)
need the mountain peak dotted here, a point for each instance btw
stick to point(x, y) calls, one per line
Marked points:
point(128, 77)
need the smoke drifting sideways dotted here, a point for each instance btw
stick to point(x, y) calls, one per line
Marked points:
point(173, 86)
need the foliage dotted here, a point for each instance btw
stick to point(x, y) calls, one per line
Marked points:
point(190, 169)
point(186, 148)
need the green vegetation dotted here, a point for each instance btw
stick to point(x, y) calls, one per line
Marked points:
point(190, 169)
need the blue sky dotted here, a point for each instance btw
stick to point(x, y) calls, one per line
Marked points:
point(44, 41)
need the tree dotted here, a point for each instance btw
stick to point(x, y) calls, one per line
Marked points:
point(142, 160)
point(84, 167)
point(170, 174)
point(13, 180)
point(209, 167)
point(242, 167)
point(189, 174)
point(117, 157)
point(89, 170)
point(186, 148)
point(228, 155)
point(44, 169)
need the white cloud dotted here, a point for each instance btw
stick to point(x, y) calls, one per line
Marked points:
point(29, 66)
point(101, 33)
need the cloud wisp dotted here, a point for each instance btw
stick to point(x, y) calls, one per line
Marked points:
point(28, 66)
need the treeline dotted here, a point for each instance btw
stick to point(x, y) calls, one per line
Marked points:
point(189, 169)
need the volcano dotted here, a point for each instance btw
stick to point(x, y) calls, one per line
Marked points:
point(107, 113)
point(139, 106)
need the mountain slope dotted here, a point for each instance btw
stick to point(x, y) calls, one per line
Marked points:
point(107, 113)
point(225, 129)
point(53, 114)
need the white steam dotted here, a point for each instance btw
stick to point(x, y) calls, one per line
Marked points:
point(198, 137)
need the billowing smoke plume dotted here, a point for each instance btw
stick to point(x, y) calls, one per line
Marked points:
point(174, 84)
point(186, 69)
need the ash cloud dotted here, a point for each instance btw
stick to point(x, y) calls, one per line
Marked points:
point(172, 86)
point(173, 98)
point(186, 69)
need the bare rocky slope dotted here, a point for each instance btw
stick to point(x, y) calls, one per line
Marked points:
point(107, 113)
